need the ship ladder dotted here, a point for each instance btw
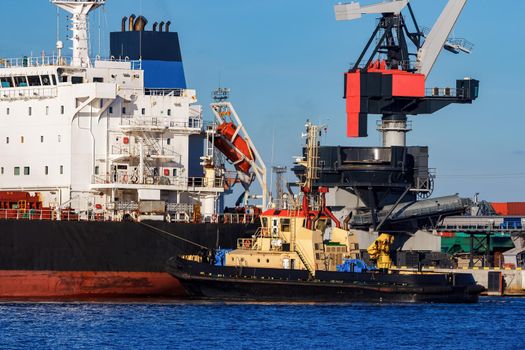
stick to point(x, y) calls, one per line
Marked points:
point(296, 248)
point(305, 262)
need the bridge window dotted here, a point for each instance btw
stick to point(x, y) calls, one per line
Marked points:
point(17, 171)
point(45, 80)
point(41, 139)
point(2, 171)
point(6, 82)
point(98, 80)
point(168, 142)
point(62, 109)
point(7, 139)
point(110, 110)
point(27, 170)
point(46, 170)
point(20, 81)
point(143, 111)
point(34, 80)
point(47, 110)
point(61, 170)
point(77, 80)
point(30, 111)
point(8, 111)
point(169, 112)
point(22, 140)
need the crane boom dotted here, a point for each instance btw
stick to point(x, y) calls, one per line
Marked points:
point(434, 42)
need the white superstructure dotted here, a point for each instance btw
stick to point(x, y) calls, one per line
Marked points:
point(88, 136)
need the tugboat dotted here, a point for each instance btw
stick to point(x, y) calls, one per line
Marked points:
point(301, 253)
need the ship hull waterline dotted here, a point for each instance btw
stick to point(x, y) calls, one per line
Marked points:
point(59, 285)
point(258, 289)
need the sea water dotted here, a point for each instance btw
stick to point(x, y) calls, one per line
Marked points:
point(494, 323)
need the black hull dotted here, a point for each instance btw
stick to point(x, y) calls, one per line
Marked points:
point(203, 281)
point(107, 246)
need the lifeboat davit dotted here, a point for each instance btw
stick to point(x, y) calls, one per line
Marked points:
point(229, 147)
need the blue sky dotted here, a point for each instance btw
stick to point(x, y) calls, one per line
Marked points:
point(284, 61)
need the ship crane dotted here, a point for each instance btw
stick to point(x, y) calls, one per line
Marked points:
point(231, 138)
point(390, 82)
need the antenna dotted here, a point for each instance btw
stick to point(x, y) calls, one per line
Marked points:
point(79, 10)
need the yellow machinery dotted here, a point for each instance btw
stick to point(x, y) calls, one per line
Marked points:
point(379, 251)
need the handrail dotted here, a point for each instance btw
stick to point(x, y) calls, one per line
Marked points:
point(53, 60)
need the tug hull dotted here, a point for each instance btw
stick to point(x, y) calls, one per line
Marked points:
point(203, 281)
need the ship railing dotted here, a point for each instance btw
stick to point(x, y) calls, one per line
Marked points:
point(130, 150)
point(246, 243)
point(191, 183)
point(165, 92)
point(55, 215)
point(233, 218)
point(23, 93)
point(161, 122)
point(444, 92)
point(54, 60)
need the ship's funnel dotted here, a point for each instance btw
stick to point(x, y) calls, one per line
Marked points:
point(155, 25)
point(131, 22)
point(161, 27)
point(140, 24)
point(124, 20)
point(168, 24)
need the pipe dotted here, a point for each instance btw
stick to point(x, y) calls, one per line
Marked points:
point(168, 24)
point(155, 25)
point(131, 22)
point(140, 24)
point(124, 20)
point(161, 26)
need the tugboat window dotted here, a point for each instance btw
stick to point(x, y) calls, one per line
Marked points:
point(17, 170)
point(285, 225)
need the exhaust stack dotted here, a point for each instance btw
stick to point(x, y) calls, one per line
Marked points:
point(131, 23)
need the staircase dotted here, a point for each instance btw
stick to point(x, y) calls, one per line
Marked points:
point(295, 247)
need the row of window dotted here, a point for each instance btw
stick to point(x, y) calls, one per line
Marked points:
point(22, 139)
point(30, 110)
point(25, 81)
point(27, 170)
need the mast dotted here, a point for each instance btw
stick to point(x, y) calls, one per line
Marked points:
point(79, 10)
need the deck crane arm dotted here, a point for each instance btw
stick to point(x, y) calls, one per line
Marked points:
point(438, 36)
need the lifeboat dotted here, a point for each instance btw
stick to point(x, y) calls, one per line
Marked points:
point(231, 148)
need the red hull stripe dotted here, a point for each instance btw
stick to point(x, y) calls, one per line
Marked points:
point(59, 284)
